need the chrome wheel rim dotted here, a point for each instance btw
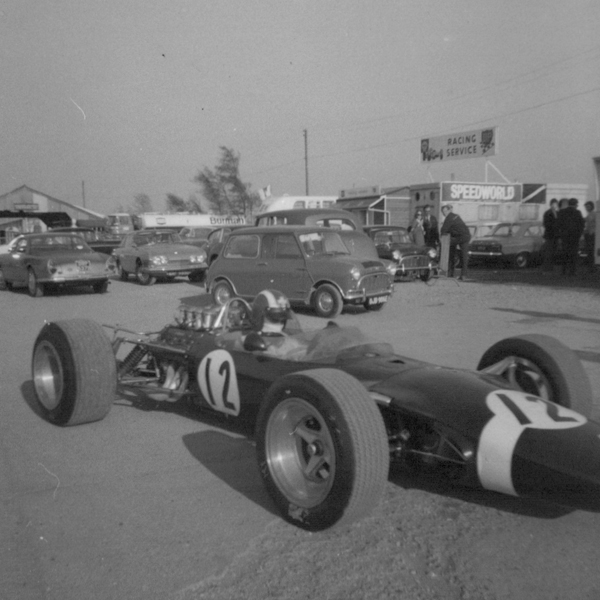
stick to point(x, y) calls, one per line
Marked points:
point(300, 452)
point(523, 374)
point(48, 376)
point(325, 302)
point(222, 294)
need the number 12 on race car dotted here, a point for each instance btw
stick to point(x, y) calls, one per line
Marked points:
point(218, 382)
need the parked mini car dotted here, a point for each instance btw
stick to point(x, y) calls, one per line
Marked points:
point(518, 244)
point(310, 265)
point(151, 254)
point(216, 240)
point(43, 260)
point(395, 243)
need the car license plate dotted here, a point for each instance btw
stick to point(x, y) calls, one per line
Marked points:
point(377, 300)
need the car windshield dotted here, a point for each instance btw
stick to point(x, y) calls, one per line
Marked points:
point(392, 236)
point(57, 243)
point(196, 232)
point(504, 230)
point(319, 243)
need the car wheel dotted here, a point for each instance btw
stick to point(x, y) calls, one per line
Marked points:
point(522, 260)
point(144, 278)
point(101, 287)
point(74, 372)
point(425, 275)
point(34, 287)
point(322, 448)
point(327, 301)
point(123, 274)
point(222, 292)
point(542, 366)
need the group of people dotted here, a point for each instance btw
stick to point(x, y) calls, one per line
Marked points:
point(564, 226)
point(425, 232)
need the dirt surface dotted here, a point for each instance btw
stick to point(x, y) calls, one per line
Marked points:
point(154, 502)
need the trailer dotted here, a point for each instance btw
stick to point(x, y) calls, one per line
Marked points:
point(180, 220)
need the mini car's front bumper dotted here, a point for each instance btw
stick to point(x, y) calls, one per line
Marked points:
point(374, 288)
point(173, 270)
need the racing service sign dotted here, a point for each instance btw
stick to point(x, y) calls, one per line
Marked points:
point(470, 144)
point(481, 192)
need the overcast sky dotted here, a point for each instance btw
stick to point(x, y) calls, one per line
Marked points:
point(137, 96)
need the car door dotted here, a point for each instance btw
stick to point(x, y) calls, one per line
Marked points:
point(14, 263)
point(282, 266)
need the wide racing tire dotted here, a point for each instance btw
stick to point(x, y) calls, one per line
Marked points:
point(327, 301)
point(322, 448)
point(74, 372)
point(541, 365)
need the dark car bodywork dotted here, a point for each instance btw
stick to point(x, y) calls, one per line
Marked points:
point(395, 243)
point(306, 263)
point(335, 406)
point(42, 260)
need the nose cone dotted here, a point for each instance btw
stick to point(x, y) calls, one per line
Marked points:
point(537, 449)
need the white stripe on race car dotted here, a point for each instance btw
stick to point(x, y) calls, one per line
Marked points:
point(513, 413)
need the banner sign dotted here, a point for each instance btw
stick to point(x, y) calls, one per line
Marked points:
point(481, 192)
point(470, 144)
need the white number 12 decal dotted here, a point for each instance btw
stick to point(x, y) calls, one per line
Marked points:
point(513, 413)
point(218, 382)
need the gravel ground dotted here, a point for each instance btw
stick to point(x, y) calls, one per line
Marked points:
point(428, 540)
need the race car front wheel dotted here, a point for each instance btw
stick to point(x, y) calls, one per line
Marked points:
point(322, 448)
point(542, 366)
point(74, 372)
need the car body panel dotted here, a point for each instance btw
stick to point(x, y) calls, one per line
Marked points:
point(394, 243)
point(508, 240)
point(142, 248)
point(55, 258)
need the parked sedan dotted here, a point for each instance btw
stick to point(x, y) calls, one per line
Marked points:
point(518, 244)
point(153, 254)
point(195, 236)
point(310, 265)
point(43, 260)
point(395, 243)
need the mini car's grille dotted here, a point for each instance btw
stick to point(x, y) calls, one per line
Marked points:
point(376, 282)
point(415, 262)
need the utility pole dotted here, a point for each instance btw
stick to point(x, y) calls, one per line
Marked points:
point(306, 159)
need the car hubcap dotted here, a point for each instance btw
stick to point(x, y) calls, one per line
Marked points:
point(48, 378)
point(222, 295)
point(300, 452)
point(326, 302)
point(523, 374)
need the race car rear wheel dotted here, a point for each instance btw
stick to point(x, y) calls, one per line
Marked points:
point(327, 301)
point(542, 366)
point(74, 372)
point(322, 448)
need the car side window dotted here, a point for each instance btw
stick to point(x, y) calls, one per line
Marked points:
point(286, 246)
point(337, 223)
point(242, 246)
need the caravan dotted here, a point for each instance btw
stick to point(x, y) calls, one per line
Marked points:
point(289, 202)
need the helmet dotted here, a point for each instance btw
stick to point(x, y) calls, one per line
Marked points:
point(270, 309)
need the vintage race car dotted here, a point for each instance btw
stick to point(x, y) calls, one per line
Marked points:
point(333, 407)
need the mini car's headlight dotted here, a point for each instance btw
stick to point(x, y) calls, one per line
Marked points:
point(396, 255)
point(432, 252)
point(51, 266)
point(391, 268)
point(109, 265)
point(159, 260)
point(355, 272)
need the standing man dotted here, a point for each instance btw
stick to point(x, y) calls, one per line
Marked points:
point(459, 236)
point(430, 224)
point(570, 230)
point(550, 221)
point(589, 235)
